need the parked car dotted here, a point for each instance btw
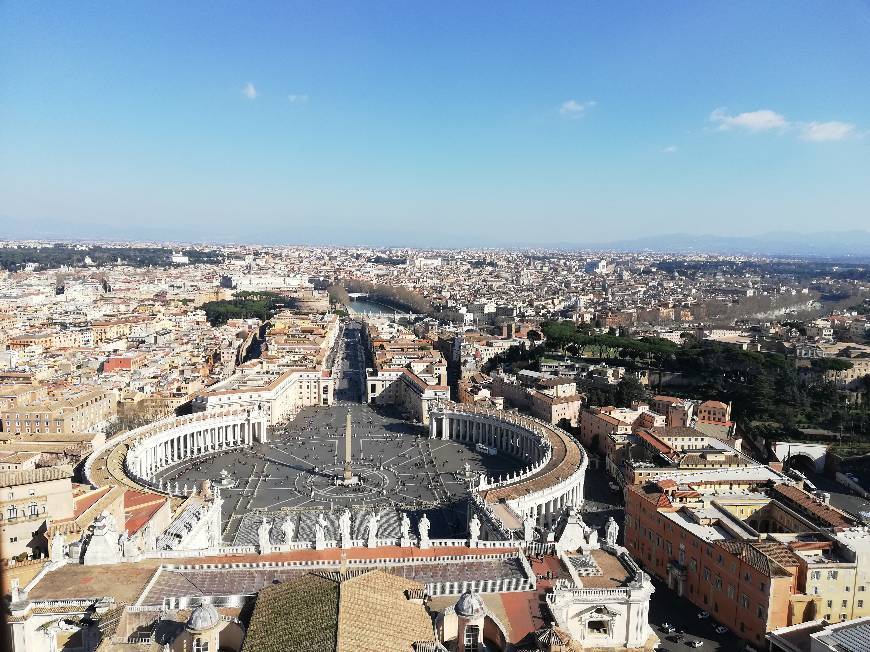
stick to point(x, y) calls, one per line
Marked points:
point(703, 614)
point(695, 643)
point(667, 628)
point(676, 638)
point(721, 629)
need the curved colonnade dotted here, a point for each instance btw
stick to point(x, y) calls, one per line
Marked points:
point(555, 464)
point(552, 477)
point(154, 447)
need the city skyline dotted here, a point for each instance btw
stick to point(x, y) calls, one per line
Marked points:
point(375, 124)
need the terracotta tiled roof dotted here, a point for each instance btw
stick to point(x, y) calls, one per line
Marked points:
point(663, 501)
point(755, 555)
point(84, 503)
point(139, 508)
point(655, 442)
point(824, 513)
point(353, 612)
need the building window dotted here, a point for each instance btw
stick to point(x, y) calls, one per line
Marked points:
point(832, 574)
point(12, 512)
point(199, 645)
point(597, 628)
point(830, 604)
point(815, 575)
point(472, 634)
point(860, 603)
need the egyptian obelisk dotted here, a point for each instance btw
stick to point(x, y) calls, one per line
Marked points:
point(348, 474)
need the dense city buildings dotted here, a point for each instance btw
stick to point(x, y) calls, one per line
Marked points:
point(438, 449)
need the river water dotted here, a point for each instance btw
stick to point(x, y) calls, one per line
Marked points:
point(362, 306)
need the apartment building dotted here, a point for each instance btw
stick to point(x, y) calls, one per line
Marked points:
point(714, 412)
point(29, 501)
point(605, 429)
point(549, 398)
point(60, 409)
point(745, 556)
point(677, 411)
point(407, 373)
point(279, 393)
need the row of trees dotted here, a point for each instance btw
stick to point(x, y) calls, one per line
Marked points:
point(765, 389)
point(391, 295)
point(568, 337)
point(62, 255)
point(244, 305)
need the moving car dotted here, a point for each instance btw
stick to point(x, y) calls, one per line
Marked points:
point(667, 628)
point(721, 629)
point(703, 614)
point(695, 643)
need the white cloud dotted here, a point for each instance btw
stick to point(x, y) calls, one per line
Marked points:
point(824, 131)
point(298, 99)
point(250, 91)
point(575, 109)
point(761, 120)
point(670, 149)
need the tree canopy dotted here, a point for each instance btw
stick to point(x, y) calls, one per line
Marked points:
point(244, 305)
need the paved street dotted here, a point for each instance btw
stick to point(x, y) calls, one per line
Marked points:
point(666, 606)
point(841, 497)
point(600, 501)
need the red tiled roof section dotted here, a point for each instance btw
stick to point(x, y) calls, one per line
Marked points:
point(139, 508)
point(755, 557)
point(825, 513)
point(85, 502)
point(663, 501)
point(655, 442)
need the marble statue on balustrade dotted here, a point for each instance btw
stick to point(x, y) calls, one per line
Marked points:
point(423, 529)
point(611, 531)
point(528, 529)
point(263, 539)
point(288, 529)
point(373, 530)
point(102, 546)
point(320, 532)
point(344, 528)
point(57, 552)
point(405, 528)
point(473, 531)
point(572, 533)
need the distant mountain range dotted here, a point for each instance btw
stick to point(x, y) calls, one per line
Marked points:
point(776, 243)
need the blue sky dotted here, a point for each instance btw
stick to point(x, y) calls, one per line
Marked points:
point(444, 123)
